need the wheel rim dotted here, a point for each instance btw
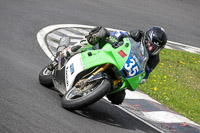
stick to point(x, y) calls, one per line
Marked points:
point(76, 93)
point(47, 72)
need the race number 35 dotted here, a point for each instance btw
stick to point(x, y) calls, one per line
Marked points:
point(131, 67)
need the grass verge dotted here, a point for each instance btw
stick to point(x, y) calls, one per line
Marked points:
point(175, 83)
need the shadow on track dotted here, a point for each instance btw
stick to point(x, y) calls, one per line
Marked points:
point(106, 113)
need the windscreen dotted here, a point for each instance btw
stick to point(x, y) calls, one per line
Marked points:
point(139, 54)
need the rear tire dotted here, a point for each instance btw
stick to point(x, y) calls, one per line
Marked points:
point(96, 91)
point(45, 78)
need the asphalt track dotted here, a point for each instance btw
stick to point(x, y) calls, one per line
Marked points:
point(26, 106)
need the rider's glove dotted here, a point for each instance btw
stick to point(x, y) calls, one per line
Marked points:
point(148, 71)
point(97, 35)
point(143, 81)
point(116, 37)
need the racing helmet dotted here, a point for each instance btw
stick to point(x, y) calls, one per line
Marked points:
point(155, 39)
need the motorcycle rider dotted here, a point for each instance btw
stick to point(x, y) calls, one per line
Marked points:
point(154, 39)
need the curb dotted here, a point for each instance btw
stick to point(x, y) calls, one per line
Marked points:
point(157, 114)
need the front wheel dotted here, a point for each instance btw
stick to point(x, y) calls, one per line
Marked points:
point(77, 98)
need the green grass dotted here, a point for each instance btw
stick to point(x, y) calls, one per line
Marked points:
point(175, 83)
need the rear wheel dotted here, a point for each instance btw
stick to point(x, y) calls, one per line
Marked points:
point(45, 78)
point(77, 98)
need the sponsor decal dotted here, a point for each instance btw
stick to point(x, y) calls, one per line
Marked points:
point(68, 48)
point(72, 68)
point(122, 53)
point(66, 77)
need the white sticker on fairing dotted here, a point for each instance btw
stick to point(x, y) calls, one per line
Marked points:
point(73, 67)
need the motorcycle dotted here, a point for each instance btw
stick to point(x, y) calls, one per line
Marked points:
point(86, 77)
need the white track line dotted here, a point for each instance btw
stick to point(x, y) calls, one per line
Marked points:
point(68, 33)
point(85, 32)
point(138, 95)
point(167, 47)
point(53, 44)
point(181, 44)
point(54, 36)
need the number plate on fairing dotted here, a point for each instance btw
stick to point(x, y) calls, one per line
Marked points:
point(131, 67)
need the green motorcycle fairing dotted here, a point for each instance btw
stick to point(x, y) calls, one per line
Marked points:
point(130, 59)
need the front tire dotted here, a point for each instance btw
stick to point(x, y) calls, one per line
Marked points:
point(45, 78)
point(95, 91)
